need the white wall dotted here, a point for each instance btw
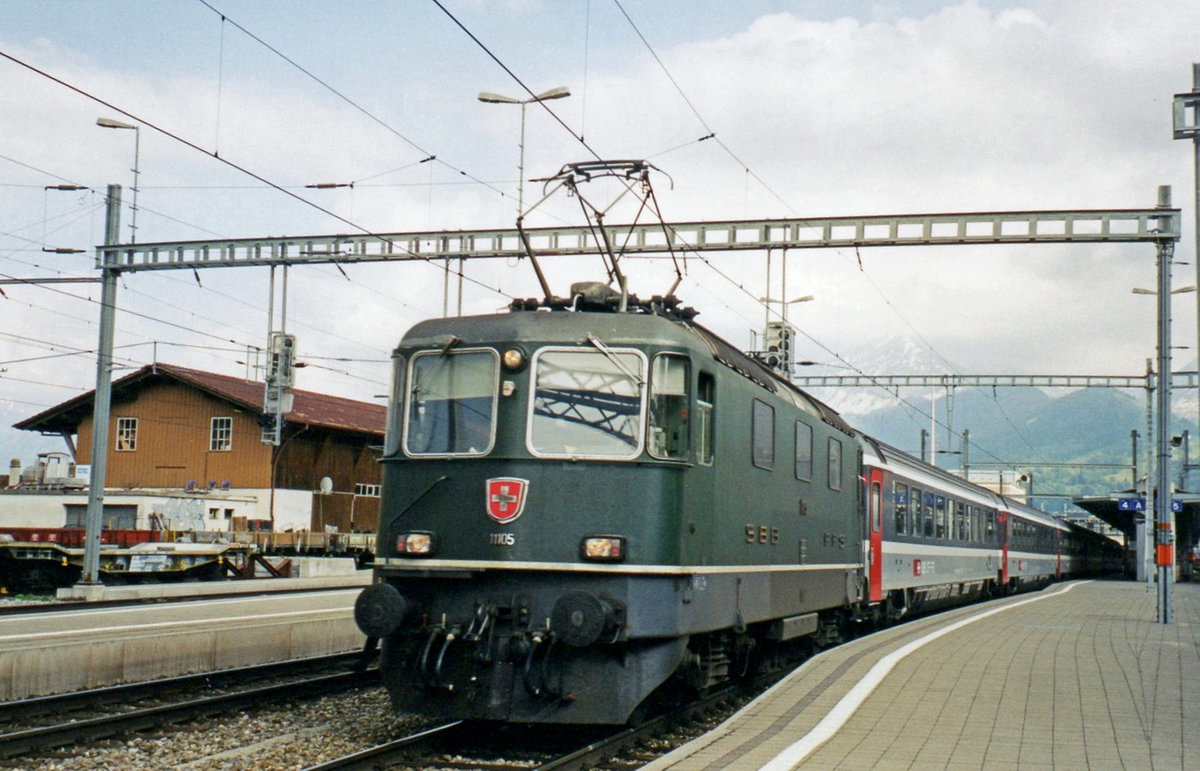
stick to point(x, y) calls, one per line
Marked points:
point(178, 511)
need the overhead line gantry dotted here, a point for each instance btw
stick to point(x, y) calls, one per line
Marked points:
point(975, 228)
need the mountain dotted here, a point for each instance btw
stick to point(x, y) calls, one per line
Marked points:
point(1069, 442)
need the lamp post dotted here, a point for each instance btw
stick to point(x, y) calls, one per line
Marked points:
point(560, 92)
point(1164, 525)
point(1159, 490)
point(137, 147)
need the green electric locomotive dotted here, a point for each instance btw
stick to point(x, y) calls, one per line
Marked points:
point(588, 504)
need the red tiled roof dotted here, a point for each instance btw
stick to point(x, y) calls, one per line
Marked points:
point(308, 407)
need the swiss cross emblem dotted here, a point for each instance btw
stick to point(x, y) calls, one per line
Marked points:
point(506, 498)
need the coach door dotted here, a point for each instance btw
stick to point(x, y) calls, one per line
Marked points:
point(875, 535)
point(1002, 522)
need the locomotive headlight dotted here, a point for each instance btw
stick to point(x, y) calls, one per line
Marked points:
point(415, 544)
point(513, 358)
point(603, 548)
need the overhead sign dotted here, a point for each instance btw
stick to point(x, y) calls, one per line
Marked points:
point(1139, 504)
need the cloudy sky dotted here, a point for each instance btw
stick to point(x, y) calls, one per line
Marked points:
point(818, 109)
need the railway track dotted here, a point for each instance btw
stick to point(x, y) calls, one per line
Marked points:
point(49, 722)
point(465, 745)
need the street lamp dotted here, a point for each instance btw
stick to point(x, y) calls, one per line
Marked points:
point(806, 298)
point(137, 146)
point(1180, 290)
point(785, 303)
point(560, 92)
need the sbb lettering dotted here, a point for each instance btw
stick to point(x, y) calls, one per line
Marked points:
point(764, 534)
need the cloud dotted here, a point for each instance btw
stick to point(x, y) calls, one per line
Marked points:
point(901, 108)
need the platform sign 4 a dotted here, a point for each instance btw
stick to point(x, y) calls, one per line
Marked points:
point(1139, 505)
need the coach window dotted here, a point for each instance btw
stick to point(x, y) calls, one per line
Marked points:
point(941, 516)
point(804, 451)
point(901, 498)
point(669, 378)
point(927, 509)
point(763, 435)
point(705, 399)
point(960, 520)
point(452, 402)
point(835, 464)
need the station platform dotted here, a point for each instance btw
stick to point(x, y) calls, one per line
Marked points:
point(1077, 676)
point(210, 628)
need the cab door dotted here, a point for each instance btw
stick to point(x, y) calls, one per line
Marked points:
point(875, 535)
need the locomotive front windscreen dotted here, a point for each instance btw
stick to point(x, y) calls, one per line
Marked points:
point(587, 403)
point(452, 403)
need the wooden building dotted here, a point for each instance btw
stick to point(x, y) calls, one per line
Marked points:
point(196, 433)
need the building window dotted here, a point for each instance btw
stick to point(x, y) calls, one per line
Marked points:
point(126, 434)
point(365, 490)
point(220, 437)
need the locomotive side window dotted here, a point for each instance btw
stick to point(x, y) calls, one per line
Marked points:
point(452, 403)
point(901, 496)
point(763, 435)
point(804, 451)
point(835, 464)
point(587, 403)
point(705, 398)
point(669, 378)
point(393, 428)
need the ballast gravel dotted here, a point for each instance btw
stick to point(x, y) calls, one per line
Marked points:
point(292, 736)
